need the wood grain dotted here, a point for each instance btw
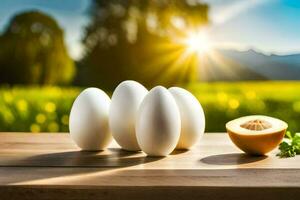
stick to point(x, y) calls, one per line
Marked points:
point(50, 166)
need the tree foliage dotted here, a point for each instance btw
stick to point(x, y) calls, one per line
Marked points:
point(32, 51)
point(134, 39)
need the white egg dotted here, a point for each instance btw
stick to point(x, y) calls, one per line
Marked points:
point(158, 123)
point(191, 115)
point(125, 102)
point(89, 120)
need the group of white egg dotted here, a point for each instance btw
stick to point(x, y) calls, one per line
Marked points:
point(155, 121)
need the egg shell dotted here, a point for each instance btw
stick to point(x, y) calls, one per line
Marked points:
point(191, 115)
point(125, 102)
point(88, 124)
point(158, 123)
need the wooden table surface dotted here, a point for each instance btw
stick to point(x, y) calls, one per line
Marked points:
point(50, 166)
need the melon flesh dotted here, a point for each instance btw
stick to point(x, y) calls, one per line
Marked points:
point(256, 134)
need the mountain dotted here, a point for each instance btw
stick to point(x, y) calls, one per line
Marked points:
point(232, 65)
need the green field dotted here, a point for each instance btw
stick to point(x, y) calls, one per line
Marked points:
point(47, 109)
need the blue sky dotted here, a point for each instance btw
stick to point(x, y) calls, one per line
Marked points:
point(270, 26)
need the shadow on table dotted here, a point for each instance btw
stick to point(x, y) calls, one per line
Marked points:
point(231, 159)
point(51, 165)
point(112, 157)
point(179, 151)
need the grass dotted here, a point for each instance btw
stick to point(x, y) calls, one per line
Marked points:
point(47, 109)
point(36, 109)
point(225, 101)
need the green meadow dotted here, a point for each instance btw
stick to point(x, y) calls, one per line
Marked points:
point(46, 109)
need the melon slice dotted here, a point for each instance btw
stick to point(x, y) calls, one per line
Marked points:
point(256, 134)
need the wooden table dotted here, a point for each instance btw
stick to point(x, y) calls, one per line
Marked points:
point(50, 166)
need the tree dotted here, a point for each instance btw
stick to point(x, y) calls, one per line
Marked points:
point(32, 51)
point(134, 39)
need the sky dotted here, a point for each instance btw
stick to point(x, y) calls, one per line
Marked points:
point(268, 26)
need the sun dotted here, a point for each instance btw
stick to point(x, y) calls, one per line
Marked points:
point(198, 42)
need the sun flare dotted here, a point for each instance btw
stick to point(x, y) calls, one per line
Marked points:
point(187, 51)
point(198, 42)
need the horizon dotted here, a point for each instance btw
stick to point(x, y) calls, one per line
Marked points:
point(230, 28)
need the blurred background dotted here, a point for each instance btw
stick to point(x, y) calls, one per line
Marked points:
point(237, 57)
